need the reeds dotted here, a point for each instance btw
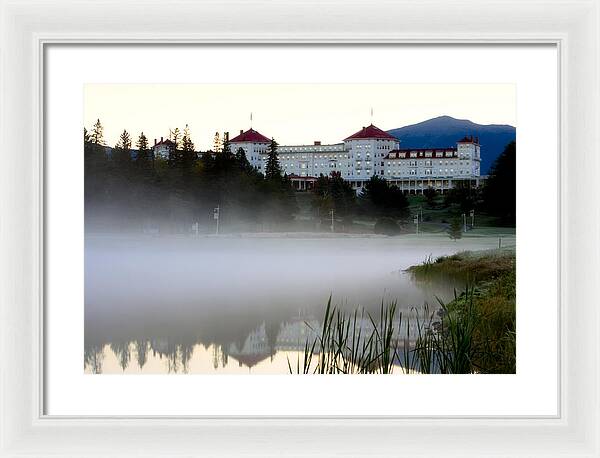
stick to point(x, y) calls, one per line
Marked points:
point(358, 343)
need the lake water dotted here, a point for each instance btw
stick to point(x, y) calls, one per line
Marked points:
point(214, 305)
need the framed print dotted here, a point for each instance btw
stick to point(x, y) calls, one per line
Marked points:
point(375, 238)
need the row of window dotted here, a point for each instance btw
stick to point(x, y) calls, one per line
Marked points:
point(427, 163)
point(320, 156)
point(444, 172)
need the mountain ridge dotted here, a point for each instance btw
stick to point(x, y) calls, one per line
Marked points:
point(444, 131)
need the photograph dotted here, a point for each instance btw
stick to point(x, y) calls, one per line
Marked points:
point(300, 229)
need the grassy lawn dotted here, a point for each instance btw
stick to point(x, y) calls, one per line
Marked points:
point(434, 220)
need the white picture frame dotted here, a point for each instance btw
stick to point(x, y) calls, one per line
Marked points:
point(26, 27)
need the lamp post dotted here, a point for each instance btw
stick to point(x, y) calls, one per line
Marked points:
point(472, 214)
point(332, 227)
point(416, 221)
point(464, 222)
point(216, 217)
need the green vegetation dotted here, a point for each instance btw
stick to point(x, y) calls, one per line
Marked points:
point(455, 229)
point(387, 226)
point(488, 304)
point(379, 198)
point(333, 193)
point(129, 190)
point(342, 348)
point(500, 192)
point(474, 333)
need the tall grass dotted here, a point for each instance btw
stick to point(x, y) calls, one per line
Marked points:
point(474, 333)
point(343, 346)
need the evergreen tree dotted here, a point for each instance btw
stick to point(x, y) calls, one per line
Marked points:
point(97, 136)
point(175, 137)
point(273, 169)
point(334, 193)
point(121, 155)
point(430, 196)
point(217, 143)
point(500, 191)
point(142, 145)
point(455, 229)
point(185, 158)
point(226, 148)
point(125, 141)
point(380, 198)
point(96, 171)
point(187, 148)
point(207, 161)
point(463, 195)
point(242, 160)
point(144, 155)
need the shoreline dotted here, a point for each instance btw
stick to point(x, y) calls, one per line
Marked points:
point(301, 235)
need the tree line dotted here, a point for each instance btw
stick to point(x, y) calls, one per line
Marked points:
point(129, 189)
point(134, 190)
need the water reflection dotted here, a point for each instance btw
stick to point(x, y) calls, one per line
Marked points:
point(239, 306)
point(174, 354)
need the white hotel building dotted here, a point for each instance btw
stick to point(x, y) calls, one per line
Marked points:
point(370, 151)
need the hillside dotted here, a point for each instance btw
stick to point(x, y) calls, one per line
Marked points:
point(445, 131)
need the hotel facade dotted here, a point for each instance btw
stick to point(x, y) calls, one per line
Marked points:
point(368, 152)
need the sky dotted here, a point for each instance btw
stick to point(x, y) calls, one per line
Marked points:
point(293, 114)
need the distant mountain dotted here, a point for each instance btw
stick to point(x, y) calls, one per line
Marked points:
point(445, 131)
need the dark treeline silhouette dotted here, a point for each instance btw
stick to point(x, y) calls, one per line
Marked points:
point(500, 192)
point(128, 189)
point(497, 198)
point(333, 193)
point(379, 198)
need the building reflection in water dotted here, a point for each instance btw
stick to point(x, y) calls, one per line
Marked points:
point(178, 355)
point(237, 305)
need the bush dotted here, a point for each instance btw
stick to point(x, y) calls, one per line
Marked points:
point(387, 226)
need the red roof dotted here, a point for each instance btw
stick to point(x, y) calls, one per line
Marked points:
point(469, 139)
point(250, 136)
point(164, 142)
point(371, 132)
point(250, 360)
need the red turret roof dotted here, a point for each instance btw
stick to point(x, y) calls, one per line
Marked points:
point(371, 132)
point(250, 136)
point(469, 139)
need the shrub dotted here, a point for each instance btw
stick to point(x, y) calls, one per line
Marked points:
point(387, 226)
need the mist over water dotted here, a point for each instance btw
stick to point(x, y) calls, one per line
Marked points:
point(160, 304)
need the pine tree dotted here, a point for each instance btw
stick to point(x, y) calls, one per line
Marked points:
point(207, 161)
point(86, 136)
point(499, 193)
point(382, 199)
point(430, 196)
point(97, 135)
point(142, 143)
point(143, 151)
point(217, 145)
point(455, 229)
point(226, 149)
point(242, 160)
point(125, 141)
point(122, 151)
point(188, 155)
point(273, 169)
point(175, 137)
